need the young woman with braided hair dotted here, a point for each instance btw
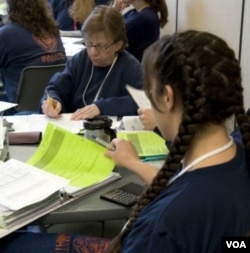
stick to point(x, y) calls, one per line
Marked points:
point(202, 192)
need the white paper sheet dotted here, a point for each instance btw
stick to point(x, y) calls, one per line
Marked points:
point(6, 105)
point(139, 97)
point(36, 184)
point(38, 122)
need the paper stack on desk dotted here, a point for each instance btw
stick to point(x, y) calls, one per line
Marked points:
point(24, 190)
point(65, 166)
point(4, 146)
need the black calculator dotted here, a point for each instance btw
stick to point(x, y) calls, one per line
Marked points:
point(126, 195)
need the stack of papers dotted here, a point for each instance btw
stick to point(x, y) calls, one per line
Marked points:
point(65, 166)
point(22, 185)
point(38, 123)
point(73, 157)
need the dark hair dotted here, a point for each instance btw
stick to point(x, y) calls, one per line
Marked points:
point(206, 79)
point(108, 20)
point(35, 15)
point(161, 8)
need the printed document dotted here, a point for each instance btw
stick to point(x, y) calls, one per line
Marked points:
point(147, 143)
point(18, 179)
point(139, 97)
point(71, 156)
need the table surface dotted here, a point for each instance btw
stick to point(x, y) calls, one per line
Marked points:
point(85, 208)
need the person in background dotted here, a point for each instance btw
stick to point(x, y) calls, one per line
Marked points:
point(94, 80)
point(30, 37)
point(202, 192)
point(70, 14)
point(147, 118)
point(143, 22)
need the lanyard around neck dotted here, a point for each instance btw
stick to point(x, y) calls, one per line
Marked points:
point(201, 158)
point(100, 88)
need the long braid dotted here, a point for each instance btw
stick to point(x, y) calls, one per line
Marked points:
point(172, 163)
point(189, 62)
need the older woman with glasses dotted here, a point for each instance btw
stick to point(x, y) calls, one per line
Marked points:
point(94, 80)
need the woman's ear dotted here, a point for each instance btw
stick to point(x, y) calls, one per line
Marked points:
point(118, 45)
point(169, 97)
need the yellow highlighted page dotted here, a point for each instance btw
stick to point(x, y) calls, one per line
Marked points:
point(147, 143)
point(73, 157)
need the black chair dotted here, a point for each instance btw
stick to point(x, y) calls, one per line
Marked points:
point(32, 83)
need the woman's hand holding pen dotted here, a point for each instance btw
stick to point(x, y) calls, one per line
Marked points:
point(86, 112)
point(51, 107)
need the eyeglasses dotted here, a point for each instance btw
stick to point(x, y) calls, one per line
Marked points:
point(100, 48)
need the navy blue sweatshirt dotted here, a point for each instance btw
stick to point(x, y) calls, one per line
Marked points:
point(69, 86)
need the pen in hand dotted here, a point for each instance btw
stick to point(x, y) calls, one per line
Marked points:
point(50, 100)
point(103, 143)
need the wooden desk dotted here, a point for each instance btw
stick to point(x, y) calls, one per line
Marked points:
point(86, 208)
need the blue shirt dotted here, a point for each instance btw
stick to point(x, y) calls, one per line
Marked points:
point(61, 14)
point(195, 211)
point(142, 29)
point(19, 48)
point(74, 85)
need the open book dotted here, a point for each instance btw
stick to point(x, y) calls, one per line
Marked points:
point(149, 145)
point(65, 166)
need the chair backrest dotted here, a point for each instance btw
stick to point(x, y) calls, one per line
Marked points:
point(32, 83)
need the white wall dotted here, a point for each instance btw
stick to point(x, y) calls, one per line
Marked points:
point(221, 17)
point(245, 54)
point(171, 25)
point(218, 16)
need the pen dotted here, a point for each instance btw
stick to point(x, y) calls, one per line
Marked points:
point(103, 143)
point(49, 99)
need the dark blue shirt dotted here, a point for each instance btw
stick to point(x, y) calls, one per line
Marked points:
point(195, 211)
point(142, 29)
point(19, 48)
point(61, 14)
point(74, 85)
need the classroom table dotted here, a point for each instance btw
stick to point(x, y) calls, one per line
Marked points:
point(72, 45)
point(85, 208)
